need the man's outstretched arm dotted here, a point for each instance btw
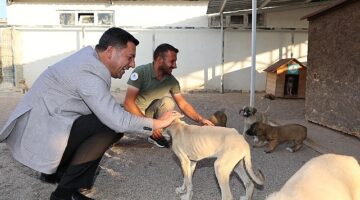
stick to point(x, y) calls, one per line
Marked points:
point(129, 102)
point(189, 110)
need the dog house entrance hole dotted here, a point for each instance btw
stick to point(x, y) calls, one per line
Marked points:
point(291, 85)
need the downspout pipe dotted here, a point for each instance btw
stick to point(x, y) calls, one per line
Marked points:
point(253, 54)
point(222, 46)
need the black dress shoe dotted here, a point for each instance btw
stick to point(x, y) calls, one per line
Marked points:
point(75, 196)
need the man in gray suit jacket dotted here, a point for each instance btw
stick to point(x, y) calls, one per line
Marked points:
point(65, 123)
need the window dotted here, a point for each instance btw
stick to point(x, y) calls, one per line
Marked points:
point(67, 18)
point(237, 19)
point(105, 18)
point(86, 17)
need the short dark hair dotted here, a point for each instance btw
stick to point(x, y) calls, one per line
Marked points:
point(162, 49)
point(115, 37)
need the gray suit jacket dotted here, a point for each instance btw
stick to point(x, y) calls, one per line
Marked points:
point(38, 130)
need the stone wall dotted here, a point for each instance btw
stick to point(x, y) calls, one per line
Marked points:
point(333, 78)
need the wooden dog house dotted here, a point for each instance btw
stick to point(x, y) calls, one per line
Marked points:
point(286, 78)
point(333, 84)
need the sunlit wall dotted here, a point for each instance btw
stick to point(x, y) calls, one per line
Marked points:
point(183, 24)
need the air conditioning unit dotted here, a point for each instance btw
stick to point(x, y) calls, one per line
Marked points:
point(260, 19)
point(214, 21)
point(237, 20)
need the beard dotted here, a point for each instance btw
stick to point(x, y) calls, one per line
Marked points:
point(166, 69)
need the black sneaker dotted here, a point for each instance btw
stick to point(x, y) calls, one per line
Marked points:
point(161, 142)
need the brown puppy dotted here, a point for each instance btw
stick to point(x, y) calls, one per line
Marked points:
point(219, 118)
point(277, 134)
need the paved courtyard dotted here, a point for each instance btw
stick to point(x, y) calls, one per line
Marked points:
point(136, 170)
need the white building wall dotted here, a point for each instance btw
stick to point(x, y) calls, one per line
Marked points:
point(142, 14)
point(199, 59)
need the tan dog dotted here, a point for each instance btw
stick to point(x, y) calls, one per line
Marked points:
point(192, 143)
point(219, 118)
point(277, 134)
point(24, 87)
point(326, 177)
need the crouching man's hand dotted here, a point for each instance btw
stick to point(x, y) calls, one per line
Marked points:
point(166, 119)
point(206, 122)
point(157, 134)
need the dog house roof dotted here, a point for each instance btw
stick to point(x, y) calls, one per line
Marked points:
point(326, 9)
point(282, 62)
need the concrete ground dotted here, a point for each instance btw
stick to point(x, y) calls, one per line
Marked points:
point(136, 170)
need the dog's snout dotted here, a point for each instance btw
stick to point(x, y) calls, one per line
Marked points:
point(250, 132)
point(246, 114)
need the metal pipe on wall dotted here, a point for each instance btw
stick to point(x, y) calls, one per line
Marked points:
point(253, 54)
point(222, 46)
point(222, 53)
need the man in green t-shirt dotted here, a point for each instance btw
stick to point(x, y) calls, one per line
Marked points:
point(151, 87)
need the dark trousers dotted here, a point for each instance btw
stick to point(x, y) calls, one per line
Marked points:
point(89, 139)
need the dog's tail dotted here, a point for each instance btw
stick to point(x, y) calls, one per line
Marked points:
point(257, 180)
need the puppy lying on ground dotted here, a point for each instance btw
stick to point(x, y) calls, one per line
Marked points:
point(277, 134)
point(326, 177)
point(219, 118)
point(269, 96)
point(192, 143)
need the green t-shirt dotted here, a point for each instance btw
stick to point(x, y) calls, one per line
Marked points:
point(150, 88)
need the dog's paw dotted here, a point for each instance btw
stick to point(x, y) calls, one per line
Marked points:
point(187, 196)
point(184, 197)
point(290, 149)
point(180, 190)
point(268, 151)
point(260, 144)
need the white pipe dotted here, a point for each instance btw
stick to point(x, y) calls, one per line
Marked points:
point(222, 46)
point(253, 54)
point(12, 40)
point(222, 54)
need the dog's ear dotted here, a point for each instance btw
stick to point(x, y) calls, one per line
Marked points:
point(253, 124)
point(178, 119)
point(254, 110)
point(241, 110)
